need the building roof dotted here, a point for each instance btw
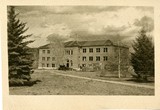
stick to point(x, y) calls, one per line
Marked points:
point(44, 46)
point(88, 43)
point(84, 44)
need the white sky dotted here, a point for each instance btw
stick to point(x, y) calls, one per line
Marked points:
point(85, 22)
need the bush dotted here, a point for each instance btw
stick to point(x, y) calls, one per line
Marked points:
point(63, 67)
point(21, 82)
point(15, 82)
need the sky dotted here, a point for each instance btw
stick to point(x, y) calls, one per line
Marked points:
point(117, 23)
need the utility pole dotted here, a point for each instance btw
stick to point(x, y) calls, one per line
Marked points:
point(119, 61)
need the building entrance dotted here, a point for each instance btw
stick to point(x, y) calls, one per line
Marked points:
point(67, 63)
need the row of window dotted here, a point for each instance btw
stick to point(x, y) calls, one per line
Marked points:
point(69, 52)
point(97, 50)
point(44, 51)
point(48, 58)
point(48, 65)
point(97, 58)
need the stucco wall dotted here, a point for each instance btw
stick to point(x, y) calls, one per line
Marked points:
point(112, 55)
point(50, 62)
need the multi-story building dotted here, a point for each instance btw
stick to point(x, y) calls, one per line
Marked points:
point(47, 59)
point(89, 54)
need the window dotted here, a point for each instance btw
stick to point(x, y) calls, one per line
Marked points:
point(97, 49)
point(43, 51)
point(91, 50)
point(71, 63)
point(48, 51)
point(53, 65)
point(105, 50)
point(90, 58)
point(53, 58)
point(105, 58)
point(83, 65)
point(97, 58)
point(43, 65)
point(48, 58)
point(47, 65)
point(71, 52)
point(67, 52)
point(84, 50)
point(43, 58)
point(84, 58)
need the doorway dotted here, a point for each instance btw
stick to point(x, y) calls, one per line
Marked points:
point(67, 63)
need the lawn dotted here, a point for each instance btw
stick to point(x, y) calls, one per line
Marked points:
point(53, 84)
point(110, 77)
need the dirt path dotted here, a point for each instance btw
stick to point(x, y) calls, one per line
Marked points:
point(105, 81)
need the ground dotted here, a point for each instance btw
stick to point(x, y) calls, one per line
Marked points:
point(56, 82)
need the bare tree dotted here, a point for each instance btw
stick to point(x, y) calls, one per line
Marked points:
point(57, 47)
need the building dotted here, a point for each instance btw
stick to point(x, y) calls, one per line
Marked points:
point(83, 54)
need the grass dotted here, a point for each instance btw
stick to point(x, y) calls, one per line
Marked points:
point(60, 85)
point(111, 77)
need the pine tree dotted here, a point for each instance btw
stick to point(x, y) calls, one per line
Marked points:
point(143, 57)
point(19, 59)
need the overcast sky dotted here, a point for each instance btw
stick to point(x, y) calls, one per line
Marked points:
point(85, 22)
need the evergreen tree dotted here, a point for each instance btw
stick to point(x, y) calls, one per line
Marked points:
point(19, 59)
point(143, 57)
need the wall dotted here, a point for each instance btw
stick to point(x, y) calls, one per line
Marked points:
point(72, 57)
point(50, 62)
point(112, 55)
point(94, 54)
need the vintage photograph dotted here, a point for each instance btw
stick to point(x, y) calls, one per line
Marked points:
point(81, 50)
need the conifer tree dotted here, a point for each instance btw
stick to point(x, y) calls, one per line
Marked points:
point(19, 59)
point(142, 58)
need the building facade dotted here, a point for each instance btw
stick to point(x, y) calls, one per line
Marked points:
point(84, 54)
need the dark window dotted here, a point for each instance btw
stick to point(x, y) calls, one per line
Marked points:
point(105, 58)
point(43, 51)
point(84, 58)
point(84, 50)
point(91, 50)
point(48, 58)
point(47, 65)
point(43, 58)
point(67, 52)
point(53, 65)
point(90, 58)
point(97, 49)
point(71, 52)
point(48, 51)
point(105, 50)
point(97, 58)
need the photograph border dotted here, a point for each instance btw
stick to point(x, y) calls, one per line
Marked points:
point(80, 102)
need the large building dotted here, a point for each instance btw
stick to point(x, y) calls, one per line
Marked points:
point(80, 54)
